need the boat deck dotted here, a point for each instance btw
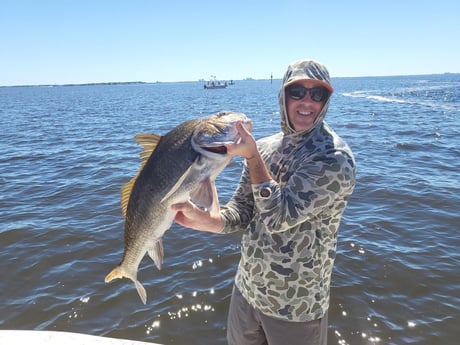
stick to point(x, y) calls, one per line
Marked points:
point(14, 337)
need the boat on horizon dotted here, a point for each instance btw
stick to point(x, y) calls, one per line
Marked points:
point(214, 83)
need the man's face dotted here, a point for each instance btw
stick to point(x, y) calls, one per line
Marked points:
point(303, 111)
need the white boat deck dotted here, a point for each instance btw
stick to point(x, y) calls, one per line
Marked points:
point(14, 337)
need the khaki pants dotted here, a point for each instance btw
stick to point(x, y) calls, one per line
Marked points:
point(248, 326)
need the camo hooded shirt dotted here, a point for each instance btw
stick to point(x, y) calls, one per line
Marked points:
point(289, 236)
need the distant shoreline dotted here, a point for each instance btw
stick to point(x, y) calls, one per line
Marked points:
point(200, 81)
point(83, 84)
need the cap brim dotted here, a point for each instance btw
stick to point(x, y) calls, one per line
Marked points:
point(323, 83)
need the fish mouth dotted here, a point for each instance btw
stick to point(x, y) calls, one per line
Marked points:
point(216, 149)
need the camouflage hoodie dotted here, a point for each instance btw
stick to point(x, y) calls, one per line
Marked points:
point(290, 236)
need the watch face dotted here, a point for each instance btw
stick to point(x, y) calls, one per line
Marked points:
point(265, 192)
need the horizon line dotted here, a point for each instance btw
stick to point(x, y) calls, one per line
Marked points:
point(203, 80)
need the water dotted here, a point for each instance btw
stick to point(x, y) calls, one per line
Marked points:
point(66, 151)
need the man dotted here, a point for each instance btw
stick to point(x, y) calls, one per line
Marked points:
point(289, 203)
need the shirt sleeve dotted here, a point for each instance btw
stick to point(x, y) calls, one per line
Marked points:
point(315, 186)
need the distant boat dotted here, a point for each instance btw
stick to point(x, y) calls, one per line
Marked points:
point(214, 83)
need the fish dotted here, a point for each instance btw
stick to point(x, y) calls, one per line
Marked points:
point(180, 166)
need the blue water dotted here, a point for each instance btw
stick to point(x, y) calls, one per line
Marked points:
point(65, 152)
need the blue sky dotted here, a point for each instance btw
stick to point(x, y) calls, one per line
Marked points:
point(86, 41)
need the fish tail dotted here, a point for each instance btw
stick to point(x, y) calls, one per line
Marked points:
point(117, 273)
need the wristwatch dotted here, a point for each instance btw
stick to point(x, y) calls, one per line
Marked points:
point(265, 192)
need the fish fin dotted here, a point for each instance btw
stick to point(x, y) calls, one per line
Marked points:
point(149, 142)
point(215, 207)
point(157, 253)
point(178, 183)
point(116, 273)
point(206, 195)
point(141, 291)
point(125, 195)
point(202, 194)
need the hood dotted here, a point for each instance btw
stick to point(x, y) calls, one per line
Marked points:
point(303, 70)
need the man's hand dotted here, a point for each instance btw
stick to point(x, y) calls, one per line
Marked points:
point(193, 217)
point(245, 146)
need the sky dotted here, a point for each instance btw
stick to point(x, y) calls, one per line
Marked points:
point(92, 41)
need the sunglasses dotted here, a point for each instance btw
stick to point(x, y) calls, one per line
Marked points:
point(298, 92)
